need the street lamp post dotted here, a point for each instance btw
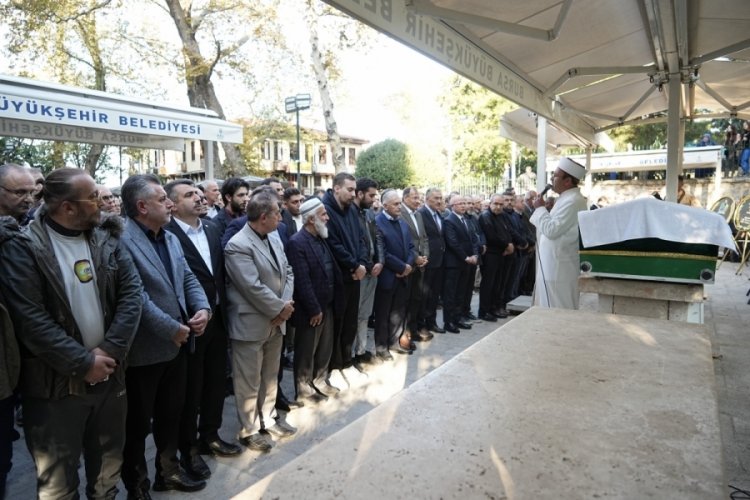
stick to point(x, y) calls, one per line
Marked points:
point(295, 104)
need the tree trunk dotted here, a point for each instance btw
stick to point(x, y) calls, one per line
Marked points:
point(198, 73)
point(334, 140)
point(86, 27)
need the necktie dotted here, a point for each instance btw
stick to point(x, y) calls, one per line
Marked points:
point(437, 221)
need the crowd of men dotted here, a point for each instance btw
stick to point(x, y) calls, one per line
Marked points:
point(124, 316)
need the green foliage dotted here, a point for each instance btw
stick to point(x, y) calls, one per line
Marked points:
point(48, 155)
point(386, 162)
point(475, 114)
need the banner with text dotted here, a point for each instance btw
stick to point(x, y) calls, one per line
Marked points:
point(19, 104)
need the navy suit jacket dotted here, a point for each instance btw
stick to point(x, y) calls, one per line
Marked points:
point(435, 239)
point(311, 291)
point(459, 243)
point(399, 250)
point(165, 306)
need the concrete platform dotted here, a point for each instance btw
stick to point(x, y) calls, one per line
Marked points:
point(555, 404)
point(649, 299)
point(519, 304)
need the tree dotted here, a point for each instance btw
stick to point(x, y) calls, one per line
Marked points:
point(475, 114)
point(65, 33)
point(387, 162)
point(343, 34)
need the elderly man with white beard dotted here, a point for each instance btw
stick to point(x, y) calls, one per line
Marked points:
point(318, 286)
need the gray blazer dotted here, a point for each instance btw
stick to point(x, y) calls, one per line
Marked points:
point(165, 307)
point(257, 287)
point(421, 243)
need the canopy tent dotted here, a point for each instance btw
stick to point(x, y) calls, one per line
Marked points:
point(37, 110)
point(521, 125)
point(587, 65)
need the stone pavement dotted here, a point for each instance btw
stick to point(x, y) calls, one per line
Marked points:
point(727, 313)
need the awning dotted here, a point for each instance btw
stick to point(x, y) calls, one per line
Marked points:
point(520, 126)
point(585, 65)
point(639, 161)
point(37, 110)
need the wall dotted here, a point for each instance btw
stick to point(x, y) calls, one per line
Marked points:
point(703, 189)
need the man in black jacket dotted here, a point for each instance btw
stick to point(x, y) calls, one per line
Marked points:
point(318, 291)
point(366, 191)
point(461, 251)
point(347, 244)
point(234, 193)
point(75, 300)
point(499, 246)
point(432, 282)
point(207, 364)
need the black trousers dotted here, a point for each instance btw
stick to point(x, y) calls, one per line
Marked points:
point(58, 431)
point(492, 275)
point(390, 314)
point(312, 353)
point(154, 391)
point(513, 264)
point(454, 289)
point(414, 303)
point(345, 328)
point(6, 439)
point(432, 286)
point(205, 386)
point(468, 291)
point(529, 276)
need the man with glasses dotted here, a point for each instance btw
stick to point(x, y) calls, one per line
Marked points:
point(75, 300)
point(15, 201)
point(17, 189)
point(109, 206)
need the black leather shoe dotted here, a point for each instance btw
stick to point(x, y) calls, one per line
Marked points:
point(179, 481)
point(196, 467)
point(398, 349)
point(139, 494)
point(256, 442)
point(294, 404)
point(422, 336)
point(502, 313)
point(385, 356)
point(219, 447)
point(471, 317)
point(283, 405)
point(463, 326)
point(488, 317)
point(450, 327)
point(435, 329)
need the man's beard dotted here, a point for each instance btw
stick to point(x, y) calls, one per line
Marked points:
point(320, 228)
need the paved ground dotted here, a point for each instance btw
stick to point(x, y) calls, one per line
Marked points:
point(727, 314)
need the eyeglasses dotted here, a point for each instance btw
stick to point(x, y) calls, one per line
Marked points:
point(92, 198)
point(20, 193)
point(108, 197)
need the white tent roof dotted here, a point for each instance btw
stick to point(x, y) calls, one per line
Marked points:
point(33, 109)
point(586, 65)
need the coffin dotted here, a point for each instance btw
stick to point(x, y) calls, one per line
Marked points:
point(650, 239)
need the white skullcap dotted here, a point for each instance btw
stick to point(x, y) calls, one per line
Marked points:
point(572, 168)
point(310, 206)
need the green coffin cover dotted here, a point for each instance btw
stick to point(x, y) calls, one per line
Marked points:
point(652, 258)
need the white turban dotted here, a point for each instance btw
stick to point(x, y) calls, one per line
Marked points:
point(572, 168)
